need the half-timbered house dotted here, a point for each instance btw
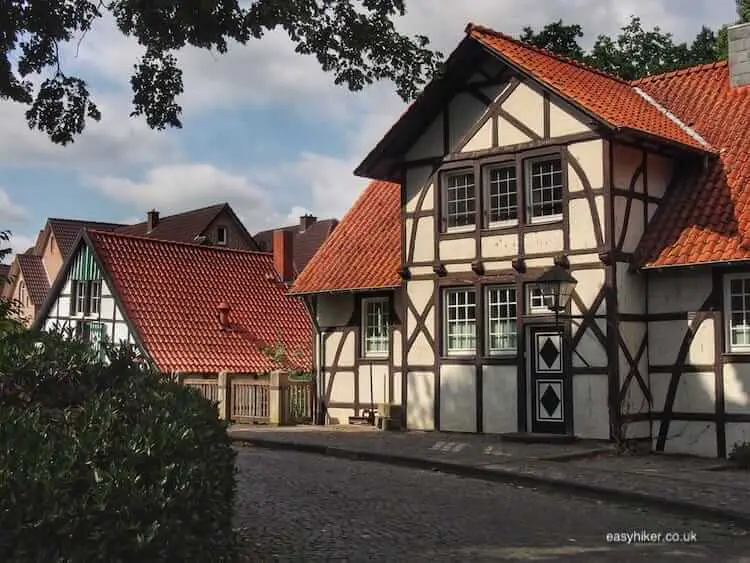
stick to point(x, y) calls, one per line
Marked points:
point(188, 308)
point(513, 161)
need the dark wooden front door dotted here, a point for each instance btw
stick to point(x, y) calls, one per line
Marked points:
point(549, 404)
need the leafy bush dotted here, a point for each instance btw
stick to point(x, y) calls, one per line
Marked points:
point(107, 461)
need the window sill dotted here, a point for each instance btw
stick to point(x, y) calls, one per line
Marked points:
point(374, 359)
point(500, 226)
point(545, 220)
point(464, 229)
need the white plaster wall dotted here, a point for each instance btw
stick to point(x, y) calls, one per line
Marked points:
point(690, 437)
point(458, 249)
point(397, 390)
point(424, 244)
point(397, 338)
point(465, 111)
point(121, 333)
point(665, 339)
point(631, 291)
point(509, 134)
point(500, 399)
point(481, 140)
point(335, 310)
point(589, 285)
point(590, 155)
point(634, 226)
point(373, 384)
point(458, 409)
point(582, 234)
point(696, 392)
point(591, 350)
point(527, 105)
point(500, 246)
point(420, 353)
point(676, 292)
point(342, 388)
point(420, 401)
point(538, 242)
point(417, 179)
point(590, 406)
point(430, 143)
point(737, 388)
point(660, 172)
point(626, 160)
point(562, 122)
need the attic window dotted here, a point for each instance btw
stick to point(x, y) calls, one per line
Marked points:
point(221, 235)
point(460, 200)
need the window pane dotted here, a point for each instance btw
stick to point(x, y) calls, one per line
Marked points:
point(503, 205)
point(739, 314)
point(460, 200)
point(460, 318)
point(501, 326)
point(377, 327)
point(545, 187)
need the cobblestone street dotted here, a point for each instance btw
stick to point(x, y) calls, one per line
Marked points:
point(304, 507)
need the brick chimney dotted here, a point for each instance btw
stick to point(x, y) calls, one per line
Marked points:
point(224, 310)
point(283, 254)
point(152, 219)
point(306, 221)
point(739, 55)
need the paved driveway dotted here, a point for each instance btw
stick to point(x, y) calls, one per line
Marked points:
point(303, 507)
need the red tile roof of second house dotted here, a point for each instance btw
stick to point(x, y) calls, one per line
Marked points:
point(34, 276)
point(611, 99)
point(364, 250)
point(170, 293)
point(707, 219)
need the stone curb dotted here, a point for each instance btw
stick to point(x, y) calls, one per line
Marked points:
point(507, 475)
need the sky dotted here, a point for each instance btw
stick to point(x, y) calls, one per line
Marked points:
point(264, 129)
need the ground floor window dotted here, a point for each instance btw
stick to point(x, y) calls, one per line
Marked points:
point(502, 335)
point(460, 321)
point(737, 312)
point(375, 326)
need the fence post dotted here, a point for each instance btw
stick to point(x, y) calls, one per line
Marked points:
point(278, 411)
point(224, 393)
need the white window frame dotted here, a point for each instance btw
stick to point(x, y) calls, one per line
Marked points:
point(366, 338)
point(219, 239)
point(734, 348)
point(78, 297)
point(447, 323)
point(447, 175)
point(85, 300)
point(94, 297)
point(532, 301)
point(488, 293)
point(508, 165)
point(528, 164)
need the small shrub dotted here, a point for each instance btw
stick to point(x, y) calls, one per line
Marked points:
point(740, 455)
point(107, 462)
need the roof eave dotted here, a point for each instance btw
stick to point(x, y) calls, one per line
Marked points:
point(703, 151)
point(345, 290)
point(694, 265)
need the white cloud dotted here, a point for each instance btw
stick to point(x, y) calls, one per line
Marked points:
point(18, 245)
point(10, 212)
point(117, 141)
point(179, 187)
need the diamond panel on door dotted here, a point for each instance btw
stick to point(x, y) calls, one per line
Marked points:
point(550, 401)
point(548, 352)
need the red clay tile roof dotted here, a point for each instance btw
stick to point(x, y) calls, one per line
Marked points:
point(306, 242)
point(707, 220)
point(170, 292)
point(180, 227)
point(34, 276)
point(66, 232)
point(364, 251)
point(614, 101)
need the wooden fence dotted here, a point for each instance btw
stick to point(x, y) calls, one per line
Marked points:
point(251, 399)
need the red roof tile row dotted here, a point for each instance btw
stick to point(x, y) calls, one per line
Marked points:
point(171, 291)
point(364, 250)
point(707, 219)
point(609, 98)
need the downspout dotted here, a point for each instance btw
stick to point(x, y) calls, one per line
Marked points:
point(318, 369)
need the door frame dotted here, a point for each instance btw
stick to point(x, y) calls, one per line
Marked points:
point(563, 328)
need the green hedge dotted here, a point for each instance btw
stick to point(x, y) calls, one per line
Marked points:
point(107, 462)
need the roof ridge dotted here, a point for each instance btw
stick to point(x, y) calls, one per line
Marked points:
point(85, 221)
point(681, 124)
point(567, 60)
point(679, 72)
point(175, 243)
